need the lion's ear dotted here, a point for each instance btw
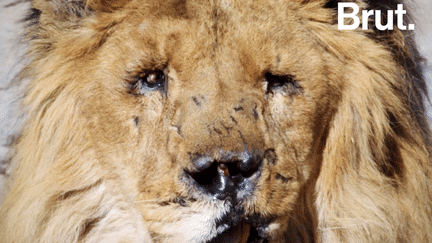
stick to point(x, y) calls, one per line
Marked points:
point(70, 10)
point(76, 27)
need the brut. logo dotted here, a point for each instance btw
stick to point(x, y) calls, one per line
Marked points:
point(365, 14)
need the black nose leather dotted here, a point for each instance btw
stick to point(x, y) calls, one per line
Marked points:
point(233, 176)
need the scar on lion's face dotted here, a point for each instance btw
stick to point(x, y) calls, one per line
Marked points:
point(218, 121)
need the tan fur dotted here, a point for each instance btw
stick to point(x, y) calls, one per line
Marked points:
point(346, 153)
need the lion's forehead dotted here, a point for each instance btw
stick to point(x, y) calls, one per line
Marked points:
point(225, 40)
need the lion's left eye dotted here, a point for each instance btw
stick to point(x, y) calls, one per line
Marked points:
point(284, 83)
point(148, 81)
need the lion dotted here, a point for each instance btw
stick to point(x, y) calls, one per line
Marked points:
point(218, 121)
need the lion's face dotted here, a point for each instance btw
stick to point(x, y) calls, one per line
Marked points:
point(213, 122)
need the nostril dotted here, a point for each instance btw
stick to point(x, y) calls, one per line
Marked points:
point(215, 180)
point(249, 164)
point(240, 170)
point(207, 176)
point(235, 171)
point(225, 177)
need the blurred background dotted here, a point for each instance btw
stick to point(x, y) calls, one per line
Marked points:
point(10, 52)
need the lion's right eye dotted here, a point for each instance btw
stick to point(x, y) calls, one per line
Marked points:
point(285, 83)
point(151, 80)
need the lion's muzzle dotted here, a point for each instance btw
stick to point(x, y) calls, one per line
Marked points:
point(217, 142)
point(232, 177)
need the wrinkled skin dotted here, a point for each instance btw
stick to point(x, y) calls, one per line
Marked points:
point(220, 121)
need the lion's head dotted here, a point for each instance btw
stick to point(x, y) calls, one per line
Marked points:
point(218, 121)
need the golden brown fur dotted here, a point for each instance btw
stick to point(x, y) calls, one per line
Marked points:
point(335, 120)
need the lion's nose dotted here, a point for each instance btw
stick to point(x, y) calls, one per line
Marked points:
point(230, 177)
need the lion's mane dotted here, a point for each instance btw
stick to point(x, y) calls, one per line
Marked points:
point(374, 182)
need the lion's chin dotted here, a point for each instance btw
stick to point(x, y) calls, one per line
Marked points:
point(236, 234)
